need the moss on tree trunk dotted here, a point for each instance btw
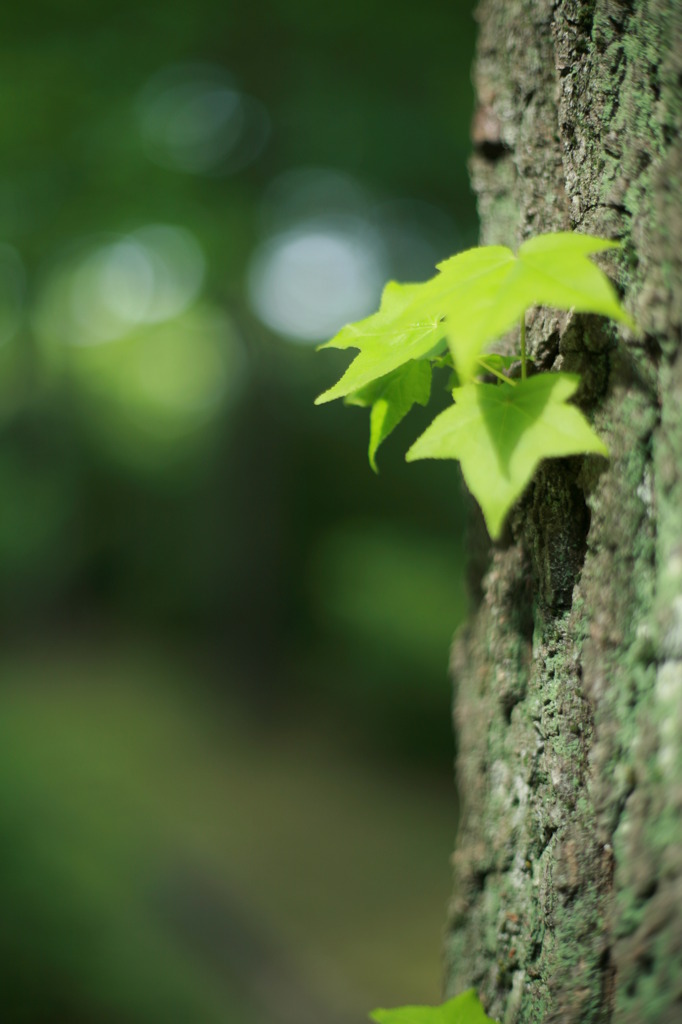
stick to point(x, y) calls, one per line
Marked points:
point(568, 681)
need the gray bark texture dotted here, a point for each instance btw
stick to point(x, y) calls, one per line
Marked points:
point(568, 680)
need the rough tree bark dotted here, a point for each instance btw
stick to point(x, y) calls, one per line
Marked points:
point(568, 681)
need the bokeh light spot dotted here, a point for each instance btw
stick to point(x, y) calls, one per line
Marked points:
point(308, 282)
point(192, 119)
point(150, 361)
point(149, 276)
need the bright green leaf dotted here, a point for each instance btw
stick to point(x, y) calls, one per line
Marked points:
point(550, 270)
point(500, 432)
point(387, 339)
point(463, 1009)
point(391, 398)
point(475, 297)
point(558, 273)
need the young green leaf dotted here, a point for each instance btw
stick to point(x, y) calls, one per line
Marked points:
point(463, 1009)
point(391, 398)
point(475, 297)
point(387, 339)
point(550, 270)
point(500, 432)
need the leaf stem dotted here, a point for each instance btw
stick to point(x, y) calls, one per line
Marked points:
point(496, 373)
point(523, 345)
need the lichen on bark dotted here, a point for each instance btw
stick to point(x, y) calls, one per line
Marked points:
point(568, 680)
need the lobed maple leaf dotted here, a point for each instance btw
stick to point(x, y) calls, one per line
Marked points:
point(501, 432)
point(550, 270)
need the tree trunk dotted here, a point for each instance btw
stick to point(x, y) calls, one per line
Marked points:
point(568, 681)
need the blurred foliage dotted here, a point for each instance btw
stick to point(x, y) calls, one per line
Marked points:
point(162, 860)
point(186, 191)
point(161, 460)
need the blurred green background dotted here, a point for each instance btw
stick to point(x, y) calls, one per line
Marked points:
point(225, 750)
